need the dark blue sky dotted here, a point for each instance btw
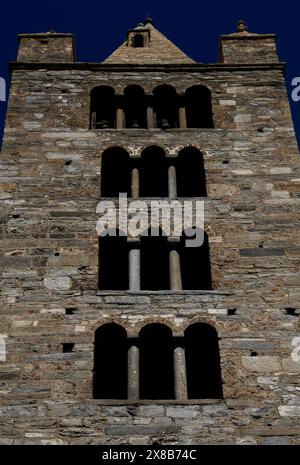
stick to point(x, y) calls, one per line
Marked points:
point(194, 25)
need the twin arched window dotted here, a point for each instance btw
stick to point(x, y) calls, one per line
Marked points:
point(153, 372)
point(163, 109)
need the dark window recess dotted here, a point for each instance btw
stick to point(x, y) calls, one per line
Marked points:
point(103, 108)
point(156, 363)
point(135, 107)
point(153, 173)
point(190, 171)
point(198, 107)
point(166, 107)
point(68, 347)
point(231, 311)
point(115, 173)
point(253, 354)
point(291, 311)
point(154, 263)
point(110, 362)
point(195, 265)
point(203, 362)
point(138, 41)
point(113, 263)
point(70, 310)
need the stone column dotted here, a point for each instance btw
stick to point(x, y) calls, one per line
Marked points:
point(151, 120)
point(135, 183)
point(172, 181)
point(182, 118)
point(134, 266)
point(133, 373)
point(174, 266)
point(180, 374)
point(119, 118)
point(182, 113)
point(150, 117)
point(94, 120)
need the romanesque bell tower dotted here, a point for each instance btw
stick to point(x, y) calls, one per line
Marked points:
point(139, 339)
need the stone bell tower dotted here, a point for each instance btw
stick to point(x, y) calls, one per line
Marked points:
point(140, 339)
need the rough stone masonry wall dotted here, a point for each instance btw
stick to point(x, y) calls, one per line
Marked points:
point(49, 262)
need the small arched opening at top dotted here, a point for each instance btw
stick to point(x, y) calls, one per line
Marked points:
point(115, 172)
point(137, 41)
point(191, 179)
point(110, 362)
point(153, 173)
point(198, 107)
point(103, 108)
point(165, 103)
point(203, 368)
point(156, 362)
point(135, 107)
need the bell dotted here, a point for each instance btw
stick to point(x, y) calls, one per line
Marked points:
point(135, 124)
point(103, 124)
point(165, 124)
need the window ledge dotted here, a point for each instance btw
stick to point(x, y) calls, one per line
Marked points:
point(158, 402)
point(150, 199)
point(166, 292)
point(156, 129)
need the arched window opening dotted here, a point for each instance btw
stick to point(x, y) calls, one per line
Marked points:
point(138, 41)
point(191, 180)
point(199, 107)
point(195, 264)
point(113, 263)
point(203, 362)
point(110, 362)
point(115, 173)
point(135, 108)
point(103, 108)
point(153, 173)
point(156, 362)
point(154, 262)
point(166, 107)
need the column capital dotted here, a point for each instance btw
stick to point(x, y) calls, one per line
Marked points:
point(134, 242)
point(174, 240)
point(133, 338)
point(171, 156)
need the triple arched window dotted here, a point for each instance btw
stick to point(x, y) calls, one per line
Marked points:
point(157, 365)
point(154, 174)
point(153, 263)
point(164, 108)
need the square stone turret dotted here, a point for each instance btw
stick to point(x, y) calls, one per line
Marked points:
point(47, 47)
point(245, 47)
